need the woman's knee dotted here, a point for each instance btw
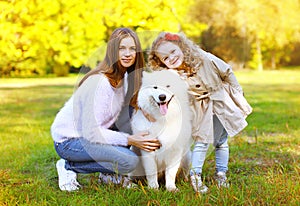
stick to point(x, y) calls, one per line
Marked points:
point(128, 164)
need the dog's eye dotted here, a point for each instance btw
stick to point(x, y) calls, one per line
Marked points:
point(168, 86)
point(155, 87)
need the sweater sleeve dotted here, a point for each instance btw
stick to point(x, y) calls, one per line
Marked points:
point(101, 105)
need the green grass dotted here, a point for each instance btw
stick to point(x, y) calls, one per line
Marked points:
point(264, 159)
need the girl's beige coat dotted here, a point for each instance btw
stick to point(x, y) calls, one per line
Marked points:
point(216, 91)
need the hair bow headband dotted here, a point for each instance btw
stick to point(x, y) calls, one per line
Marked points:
point(171, 37)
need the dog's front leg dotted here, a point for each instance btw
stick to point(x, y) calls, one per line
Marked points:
point(150, 167)
point(170, 176)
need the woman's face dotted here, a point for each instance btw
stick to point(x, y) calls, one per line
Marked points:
point(170, 54)
point(127, 52)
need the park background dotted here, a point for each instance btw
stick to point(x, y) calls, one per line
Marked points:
point(44, 44)
point(40, 37)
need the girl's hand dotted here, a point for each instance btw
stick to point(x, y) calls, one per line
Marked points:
point(140, 141)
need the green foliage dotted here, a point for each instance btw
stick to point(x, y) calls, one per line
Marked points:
point(263, 166)
point(54, 34)
point(265, 29)
point(51, 36)
point(46, 36)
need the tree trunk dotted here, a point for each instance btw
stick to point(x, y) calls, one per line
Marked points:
point(259, 55)
point(273, 60)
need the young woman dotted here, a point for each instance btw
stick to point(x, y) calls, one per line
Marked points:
point(84, 131)
point(218, 103)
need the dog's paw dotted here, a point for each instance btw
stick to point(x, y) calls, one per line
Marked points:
point(153, 186)
point(172, 189)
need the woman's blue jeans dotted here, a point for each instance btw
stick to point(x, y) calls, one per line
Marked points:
point(83, 156)
point(221, 149)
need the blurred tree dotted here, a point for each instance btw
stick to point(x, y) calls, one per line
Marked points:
point(45, 36)
point(258, 29)
point(270, 26)
point(50, 36)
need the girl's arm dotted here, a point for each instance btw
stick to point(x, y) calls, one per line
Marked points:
point(225, 71)
point(226, 74)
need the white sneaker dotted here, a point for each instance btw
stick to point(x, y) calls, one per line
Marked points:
point(197, 184)
point(221, 179)
point(66, 178)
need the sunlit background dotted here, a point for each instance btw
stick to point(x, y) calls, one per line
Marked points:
point(40, 37)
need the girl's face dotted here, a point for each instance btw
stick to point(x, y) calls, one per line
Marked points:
point(170, 54)
point(127, 52)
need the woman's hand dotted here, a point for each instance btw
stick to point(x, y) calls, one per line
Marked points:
point(140, 141)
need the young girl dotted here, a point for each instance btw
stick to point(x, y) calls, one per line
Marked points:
point(84, 130)
point(217, 102)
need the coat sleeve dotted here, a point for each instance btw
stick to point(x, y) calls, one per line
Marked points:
point(231, 84)
point(225, 72)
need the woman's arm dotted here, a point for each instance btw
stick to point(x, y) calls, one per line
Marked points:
point(140, 141)
point(102, 107)
point(97, 106)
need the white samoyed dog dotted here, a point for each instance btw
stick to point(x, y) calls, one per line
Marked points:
point(164, 112)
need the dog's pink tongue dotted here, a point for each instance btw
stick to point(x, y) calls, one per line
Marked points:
point(163, 109)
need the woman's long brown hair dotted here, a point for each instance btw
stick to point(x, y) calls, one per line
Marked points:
point(114, 71)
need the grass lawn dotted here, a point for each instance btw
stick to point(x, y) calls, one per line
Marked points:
point(264, 159)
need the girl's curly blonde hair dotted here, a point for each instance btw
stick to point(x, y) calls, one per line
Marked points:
point(193, 54)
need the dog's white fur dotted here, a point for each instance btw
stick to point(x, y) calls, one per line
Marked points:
point(173, 129)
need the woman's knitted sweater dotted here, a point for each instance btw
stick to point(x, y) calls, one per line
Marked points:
point(90, 112)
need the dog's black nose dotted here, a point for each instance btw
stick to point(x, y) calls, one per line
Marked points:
point(162, 97)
